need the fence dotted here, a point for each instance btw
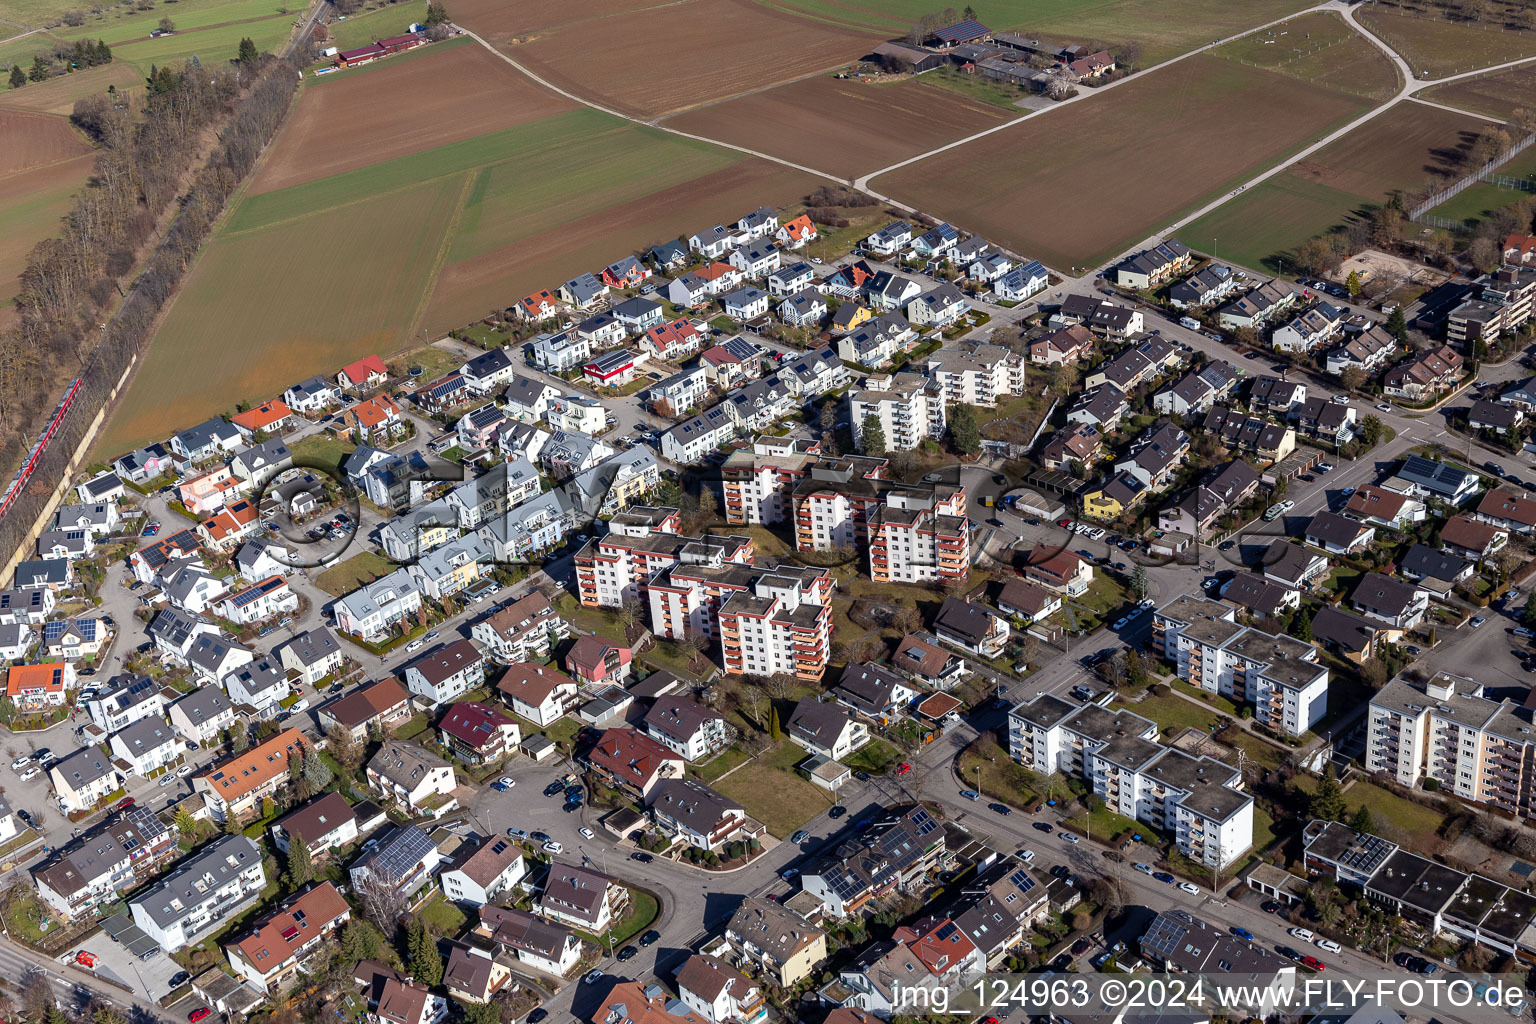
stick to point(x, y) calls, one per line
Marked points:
point(1483, 173)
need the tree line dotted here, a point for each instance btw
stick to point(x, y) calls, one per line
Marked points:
point(69, 282)
point(63, 59)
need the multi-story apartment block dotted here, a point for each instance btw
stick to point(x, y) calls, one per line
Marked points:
point(217, 883)
point(1279, 675)
point(1481, 750)
point(1199, 801)
point(977, 374)
point(642, 542)
point(910, 409)
point(761, 485)
point(1503, 306)
point(119, 854)
point(780, 626)
point(919, 536)
point(688, 598)
point(772, 940)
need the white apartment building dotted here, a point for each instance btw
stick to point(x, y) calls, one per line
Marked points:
point(779, 627)
point(765, 486)
point(1478, 749)
point(688, 598)
point(910, 409)
point(642, 541)
point(1278, 675)
point(978, 374)
point(915, 537)
point(1199, 801)
point(374, 608)
point(218, 883)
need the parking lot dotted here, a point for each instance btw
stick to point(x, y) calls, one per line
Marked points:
point(132, 958)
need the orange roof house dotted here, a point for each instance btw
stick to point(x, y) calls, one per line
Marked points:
point(541, 305)
point(233, 786)
point(366, 372)
point(272, 951)
point(230, 524)
point(798, 231)
point(374, 414)
point(270, 416)
point(32, 686)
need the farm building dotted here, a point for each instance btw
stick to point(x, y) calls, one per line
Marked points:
point(968, 31)
point(909, 59)
point(382, 48)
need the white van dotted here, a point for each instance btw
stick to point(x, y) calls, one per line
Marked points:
point(1027, 856)
point(1302, 934)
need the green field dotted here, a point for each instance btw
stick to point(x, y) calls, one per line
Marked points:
point(1474, 203)
point(124, 24)
point(362, 29)
point(1320, 48)
point(21, 51)
point(264, 308)
point(1435, 48)
point(208, 45)
point(1164, 28)
point(1269, 221)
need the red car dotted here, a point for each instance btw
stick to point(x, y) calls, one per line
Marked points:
point(1314, 963)
point(198, 1014)
point(1063, 522)
point(125, 803)
point(904, 769)
point(85, 958)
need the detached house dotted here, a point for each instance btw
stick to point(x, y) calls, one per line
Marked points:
point(628, 272)
point(683, 725)
point(874, 692)
point(541, 305)
point(406, 773)
point(593, 660)
point(381, 704)
point(280, 943)
point(633, 762)
point(478, 734)
point(719, 993)
point(368, 372)
point(1339, 535)
point(446, 672)
point(1063, 572)
point(1508, 509)
point(698, 815)
point(890, 239)
point(1400, 605)
point(824, 728)
point(237, 784)
point(326, 823)
point(1424, 375)
point(796, 234)
point(543, 945)
point(1471, 539)
point(971, 627)
point(541, 695)
point(581, 898)
point(583, 292)
point(940, 307)
point(520, 631)
point(481, 873)
point(774, 940)
point(1022, 281)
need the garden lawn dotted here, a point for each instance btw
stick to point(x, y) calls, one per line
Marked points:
point(345, 577)
point(1105, 824)
point(323, 449)
point(1409, 824)
point(638, 916)
point(774, 793)
point(722, 762)
point(1002, 778)
point(442, 918)
point(874, 757)
point(1174, 714)
point(1215, 700)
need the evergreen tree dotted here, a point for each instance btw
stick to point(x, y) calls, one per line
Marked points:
point(301, 869)
point(437, 13)
point(18, 76)
point(248, 53)
point(42, 69)
point(103, 52)
point(1301, 627)
point(963, 432)
point(1352, 284)
point(359, 941)
point(1397, 325)
point(1139, 580)
point(1362, 822)
point(426, 961)
point(1328, 801)
point(317, 771)
point(874, 436)
point(185, 824)
point(773, 722)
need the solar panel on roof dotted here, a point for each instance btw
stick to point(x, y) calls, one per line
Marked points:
point(1022, 880)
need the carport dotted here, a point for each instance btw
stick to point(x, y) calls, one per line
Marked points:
point(130, 935)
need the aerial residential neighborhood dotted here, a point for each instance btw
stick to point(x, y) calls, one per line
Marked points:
point(730, 555)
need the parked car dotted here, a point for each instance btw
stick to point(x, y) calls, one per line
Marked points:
point(554, 846)
point(628, 953)
point(516, 833)
point(179, 979)
point(1070, 837)
point(799, 837)
point(587, 833)
point(1145, 869)
point(1301, 933)
point(198, 1014)
point(1329, 945)
point(970, 794)
point(535, 1015)
point(1190, 887)
point(1313, 963)
point(1243, 933)
point(837, 811)
point(1164, 877)
point(593, 977)
point(21, 762)
point(1002, 809)
point(904, 769)
point(641, 857)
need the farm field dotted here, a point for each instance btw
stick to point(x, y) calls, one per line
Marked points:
point(498, 20)
point(218, 43)
point(1079, 184)
point(1477, 201)
point(1164, 29)
point(289, 301)
point(732, 46)
point(449, 94)
point(1401, 149)
point(36, 140)
point(843, 125)
point(1320, 48)
point(31, 205)
point(58, 95)
point(362, 29)
point(1496, 95)
point(1436, 47)
point(470, 288)
point(21, 50)
point(125, 23)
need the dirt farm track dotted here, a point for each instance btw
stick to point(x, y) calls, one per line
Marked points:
point(843, 125)
point(401, 107)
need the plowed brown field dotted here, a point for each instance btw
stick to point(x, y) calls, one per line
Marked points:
point(843, 126)
point(470, 288)
point(1077, 184)
point(690, 54)
point(396, 109)
point(36, 140)
point(499, 19)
